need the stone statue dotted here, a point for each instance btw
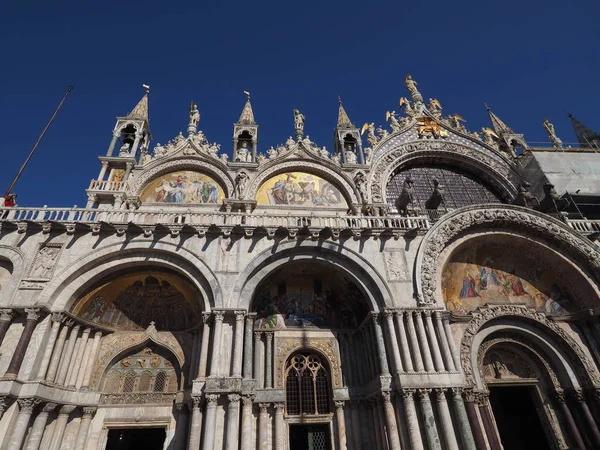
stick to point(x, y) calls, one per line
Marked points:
point(456, 120)
point(435, 108)
point(194, 114)
point(525, 197)
point(436, 198)
point(552, 203)
point(179, 138)
point(554, 139)
point(240, 185)
point(298, 124)
point(382, 132)
point(146, 158)
point(394, 124)
point(408, 109)
point(336, 159)
point(415, 95)
point(406, 197)
point(44, 262)
point(213, 150)
point(488, 137)
point(124, 150)
point(307, 142)
point(272, 153)
point(350, 155)
point(261, 158)
point(224, 158)
point(372, 139)
point(159, 151)
point(324, 153)
point(360, 181)
point(290, 142)
point(243, 153)
point(368, 154)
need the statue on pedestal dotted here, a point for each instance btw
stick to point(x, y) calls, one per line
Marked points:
point(299, 124)
point(554, 139)
point(415, 95)
point(243, 153)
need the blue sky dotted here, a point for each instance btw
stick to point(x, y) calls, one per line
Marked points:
point(526, 59)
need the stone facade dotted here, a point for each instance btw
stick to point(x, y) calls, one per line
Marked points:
point(236, 304)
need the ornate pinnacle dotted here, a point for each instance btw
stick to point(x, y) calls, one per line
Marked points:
point(343, 120)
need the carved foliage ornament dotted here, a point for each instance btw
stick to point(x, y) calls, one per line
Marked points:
point(498, 216)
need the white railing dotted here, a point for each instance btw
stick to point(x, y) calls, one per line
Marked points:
point(105, 185)
point(192, 218)
point(584, 225)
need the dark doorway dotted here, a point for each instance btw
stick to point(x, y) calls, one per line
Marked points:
point(309, 437)
point(517, 419)
point(136, 438)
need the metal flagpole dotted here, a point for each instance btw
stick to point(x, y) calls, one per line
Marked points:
point(12, 185)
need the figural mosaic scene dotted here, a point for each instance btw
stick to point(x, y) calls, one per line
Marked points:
point(416, 285)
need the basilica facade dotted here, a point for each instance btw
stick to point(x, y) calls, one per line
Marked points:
point(428, 287)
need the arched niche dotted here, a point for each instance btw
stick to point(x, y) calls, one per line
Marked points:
point(6, 270)
point(184, 187)
point(299, 189)
point(504, 268)
point(308, 294)
point(134, 299)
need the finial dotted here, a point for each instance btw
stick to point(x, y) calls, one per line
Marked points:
point(147, 87)
point(568, 113)
point(248, 94)
point(339, 100)
point(486, 106)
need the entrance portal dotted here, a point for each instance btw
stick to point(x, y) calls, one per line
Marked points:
point(517, 419)
point(136, 438)
point(309, 437)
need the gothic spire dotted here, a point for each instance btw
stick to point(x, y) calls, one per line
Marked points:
point(247, 116)
point(497, 124)
point(141, 109)
point(584, 135)
point(343, 119)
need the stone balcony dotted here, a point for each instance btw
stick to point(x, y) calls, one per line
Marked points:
point(105, 185)
point(176, 220)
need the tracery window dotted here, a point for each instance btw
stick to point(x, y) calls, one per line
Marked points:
point(307, 386)
point(459, 188)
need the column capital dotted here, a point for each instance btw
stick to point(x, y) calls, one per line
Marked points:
point(388, 314)
point(457, 392)
point(234, 398)
point(27, 404)
point(375, 317)
point(339, 404)
point(219, 315)
point(269, 336)
point(197, 400)
point(66, 410)
point(440, 394)
point(206, 318)
point(263, 407)
point(386, 396)
point(89, 411)
point(3, 403)
point(6, 314)
point(32, 313)
point(469, 394)
point(58, 317)
point(427, 313)
point(560, 396)
point(248, 400)
point(482, 398)
point(239, 315)
point(416, 313)
point(98, 333)
point(423, 394)
point(577, 395)
point(408, 393)
point(279, 407)
point(258, 335)
point(49, 407)
point(211, 399)
point(399, 313)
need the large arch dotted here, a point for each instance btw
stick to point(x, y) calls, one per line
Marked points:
point(522, 221)
point(17, 259)
point(66, 286)
point(370, 280)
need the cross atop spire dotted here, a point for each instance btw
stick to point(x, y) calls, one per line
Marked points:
point(247, 116)
point(141, 109)
point(343, 119)
point(497, 124)
point(585, 136)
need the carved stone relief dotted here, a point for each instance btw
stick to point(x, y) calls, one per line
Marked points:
point(396, 267)
point(42, 266)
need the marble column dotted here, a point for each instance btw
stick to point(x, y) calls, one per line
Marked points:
point(414, 342)
point(433, 341)
point(204, 345)
point(195, 436)
point(247, 443)
point(6, 316)
point(216, 348)
point(341, 425)
point(269, 361)
point(60, 426)
point(233, 422)
point(58, 350)
point(19, 352)
point(446, 352)
point(431, 432)
point(257, 343)
point(382, 423)
point(79, 358)
point(391, 333)
point(210, 422)
point(84, 427)
point(574, 433)
point(470, 398)
point(113, 142)
point(488, 421)
point(404, 349)
point(450, 338)
point(247, 364)
point(279, 427)
point(85, 359)
point(238, 343)
point(56, 320)
point(376, 425)
point(65, 361)
point(263, 426)
point(466, 436)
point(390, 421)
point(446, 419)
point(423, 341)
point(39, 425)
point(26, 406)
point(587, 416)
point(378, 335)
point(354, 414)
point(89, 369)
point(412, 421)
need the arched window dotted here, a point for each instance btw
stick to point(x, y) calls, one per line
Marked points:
point(129, 382)
point(144, 384)
point(159, 383)
point(113, 382)
point(307, 386)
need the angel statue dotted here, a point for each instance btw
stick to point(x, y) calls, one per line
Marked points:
point(394, 124)
point(488, 137)
point(383, 133)
point(371, 138)
point(455, 120)
point(194, 114)
point(410, 112)
point(435, 108)
point(299, 124)
point(554, 139)
point(360, 181)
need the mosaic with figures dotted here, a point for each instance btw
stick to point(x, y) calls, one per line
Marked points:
point(183, 187)
point(299, 189)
